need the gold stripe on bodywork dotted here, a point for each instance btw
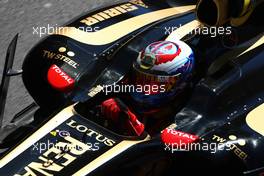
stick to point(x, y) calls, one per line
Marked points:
point(110, 154)
point(255, 119)
point(255, 45)
point(40, 133)
point(236, 53)
point(123, 28)
point(184, 30)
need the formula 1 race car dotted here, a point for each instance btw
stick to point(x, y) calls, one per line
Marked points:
point(217, 126)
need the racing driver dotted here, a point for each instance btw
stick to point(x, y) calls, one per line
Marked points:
point(166, 68)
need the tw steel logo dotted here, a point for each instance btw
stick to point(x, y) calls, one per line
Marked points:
point(233, 144)
point(91, 133)
point(59, 56)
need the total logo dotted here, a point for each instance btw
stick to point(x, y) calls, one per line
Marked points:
point(59, 80)
point(171, 137)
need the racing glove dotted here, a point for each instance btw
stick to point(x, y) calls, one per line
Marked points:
point(116, 111)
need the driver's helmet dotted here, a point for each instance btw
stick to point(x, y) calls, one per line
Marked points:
point(160, 72)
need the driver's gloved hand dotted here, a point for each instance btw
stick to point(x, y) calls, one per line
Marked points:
point(116, 111)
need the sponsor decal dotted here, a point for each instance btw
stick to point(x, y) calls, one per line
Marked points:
point(60, 133)
point(62, 74)
point(56, 158)
point(64, 133)
point(171, 137)
point(59, 80)
point(109, 13)
point(91, 133)
point(140, 3)
point(122, 28)
point(45, 129)
point(95, 90)
point(107, 156)
point(233, 143)
point(42, 146)
point(60, 56)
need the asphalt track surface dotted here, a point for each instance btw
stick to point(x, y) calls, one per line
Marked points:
point(21, 16)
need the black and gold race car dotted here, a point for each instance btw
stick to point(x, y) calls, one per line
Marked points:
point(221, 112)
